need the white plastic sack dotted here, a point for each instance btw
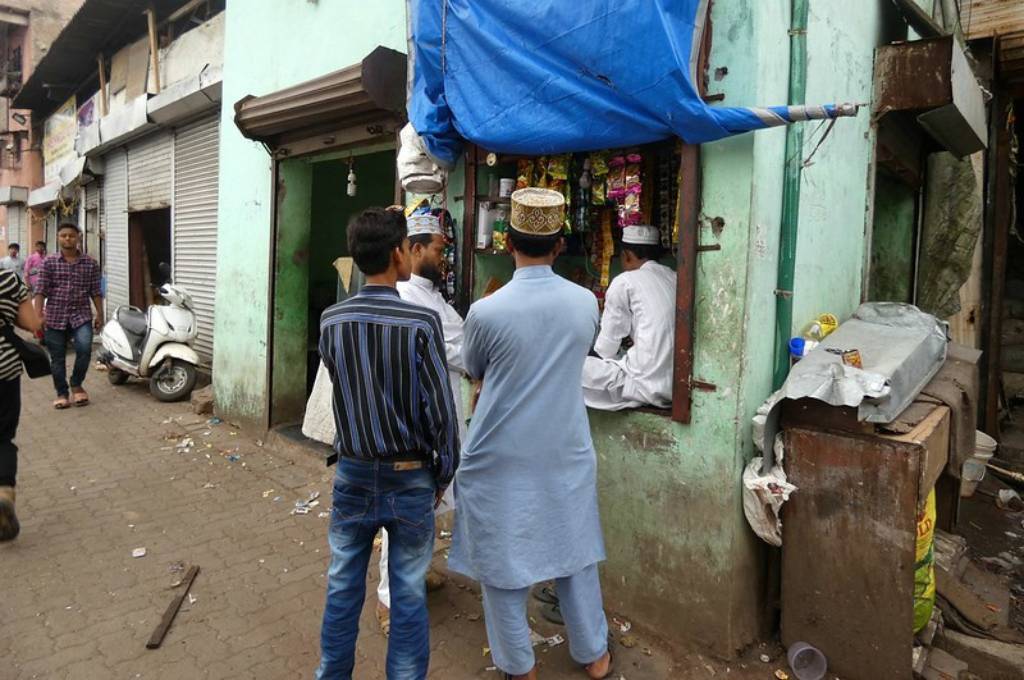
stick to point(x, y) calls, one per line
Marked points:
point(318, 422)
point(418, 172)
point(764, 492)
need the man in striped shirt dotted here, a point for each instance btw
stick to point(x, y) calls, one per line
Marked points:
point(397, 444)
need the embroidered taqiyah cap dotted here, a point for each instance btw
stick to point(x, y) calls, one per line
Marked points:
point(423, 224)
point(537, 212)
point(641, 235)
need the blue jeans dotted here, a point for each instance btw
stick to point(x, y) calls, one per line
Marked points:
point(367, 496)
point(57, 343)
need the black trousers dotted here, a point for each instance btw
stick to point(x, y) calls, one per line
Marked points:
point(10, 412)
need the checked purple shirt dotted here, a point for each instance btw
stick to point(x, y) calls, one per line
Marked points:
point(68, 289)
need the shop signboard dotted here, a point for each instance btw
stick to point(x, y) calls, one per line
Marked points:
point(59, 139)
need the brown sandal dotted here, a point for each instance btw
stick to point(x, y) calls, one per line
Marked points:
point(80, 398)
point(61, 403)
point(608, 673)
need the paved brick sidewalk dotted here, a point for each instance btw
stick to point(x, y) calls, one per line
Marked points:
point(97, 482)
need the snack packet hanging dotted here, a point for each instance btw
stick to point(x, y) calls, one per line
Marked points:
point(540, 173)
point(524, 173)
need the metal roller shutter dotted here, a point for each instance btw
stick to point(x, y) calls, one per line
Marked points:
point(115, 219)
point(149, 172)
point(196, 149)
point(93, 224)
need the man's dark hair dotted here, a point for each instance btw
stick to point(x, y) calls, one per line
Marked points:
point(533, 246)
point(13, 245)
point(421, 239)
point(41, 243)
point(372, 235)
point(68, 225)
point(644, 252)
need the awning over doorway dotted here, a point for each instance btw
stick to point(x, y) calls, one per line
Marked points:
point(81, 170)
point(357, 99)
point(44, 195)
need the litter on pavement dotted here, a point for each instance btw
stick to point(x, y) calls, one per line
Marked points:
point(139, 552)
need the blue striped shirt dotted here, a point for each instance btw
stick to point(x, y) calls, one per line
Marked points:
point(386, 359)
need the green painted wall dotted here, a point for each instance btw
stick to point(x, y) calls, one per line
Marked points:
point(892, 242)
point(257, 62)
point(291, 286)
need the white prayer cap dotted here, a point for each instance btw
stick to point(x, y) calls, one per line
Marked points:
point(423, 224)
point(641, 235)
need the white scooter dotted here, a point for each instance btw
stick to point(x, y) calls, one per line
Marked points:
point(156, 344)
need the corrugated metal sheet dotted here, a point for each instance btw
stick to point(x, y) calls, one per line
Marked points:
point(115, 219)
point(93, 224)
point(149, 172)
point(986, 18)
point(195, 220)
point(92, 195)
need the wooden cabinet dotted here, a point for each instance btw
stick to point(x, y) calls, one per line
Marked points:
point(849, 533)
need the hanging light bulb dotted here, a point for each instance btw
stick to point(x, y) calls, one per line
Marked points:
point(351, 178)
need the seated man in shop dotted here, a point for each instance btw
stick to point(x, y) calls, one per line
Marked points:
point(640, 305)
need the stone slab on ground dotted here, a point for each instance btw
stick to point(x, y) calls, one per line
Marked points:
point(988, 659)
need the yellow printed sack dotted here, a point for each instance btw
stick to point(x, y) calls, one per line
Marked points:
point(924, 565)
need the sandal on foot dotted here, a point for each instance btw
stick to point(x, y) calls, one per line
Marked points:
point(61, 403)
point(608, 673)
point(80, 398)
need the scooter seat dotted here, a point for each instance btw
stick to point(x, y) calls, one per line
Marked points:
point(132, 320)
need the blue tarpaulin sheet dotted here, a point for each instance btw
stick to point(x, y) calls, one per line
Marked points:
point(556, 76)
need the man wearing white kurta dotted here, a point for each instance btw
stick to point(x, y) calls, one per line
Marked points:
point(426, 241)
point(527, 483)
point(639, 304)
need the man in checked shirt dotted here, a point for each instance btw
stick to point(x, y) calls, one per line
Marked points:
point(397, 443)
point(68, 281)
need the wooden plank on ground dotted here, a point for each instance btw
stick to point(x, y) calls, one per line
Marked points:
point(172, 610)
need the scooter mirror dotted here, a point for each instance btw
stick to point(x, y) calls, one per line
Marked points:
point(165, 271)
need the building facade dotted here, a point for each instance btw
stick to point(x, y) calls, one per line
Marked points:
point(132, 153)
point(27, 30)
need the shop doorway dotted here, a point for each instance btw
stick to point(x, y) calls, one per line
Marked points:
point(149, 244)
point(311, 236)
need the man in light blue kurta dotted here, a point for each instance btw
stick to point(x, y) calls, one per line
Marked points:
point(526, 488)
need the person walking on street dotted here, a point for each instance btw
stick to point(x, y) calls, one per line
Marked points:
point(13, 262)
point(34, 265)
point(15, 310)
point(526, 489)
point(397, 444)
point(68, 281)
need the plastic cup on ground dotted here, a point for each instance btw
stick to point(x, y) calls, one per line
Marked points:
point(806, 661)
